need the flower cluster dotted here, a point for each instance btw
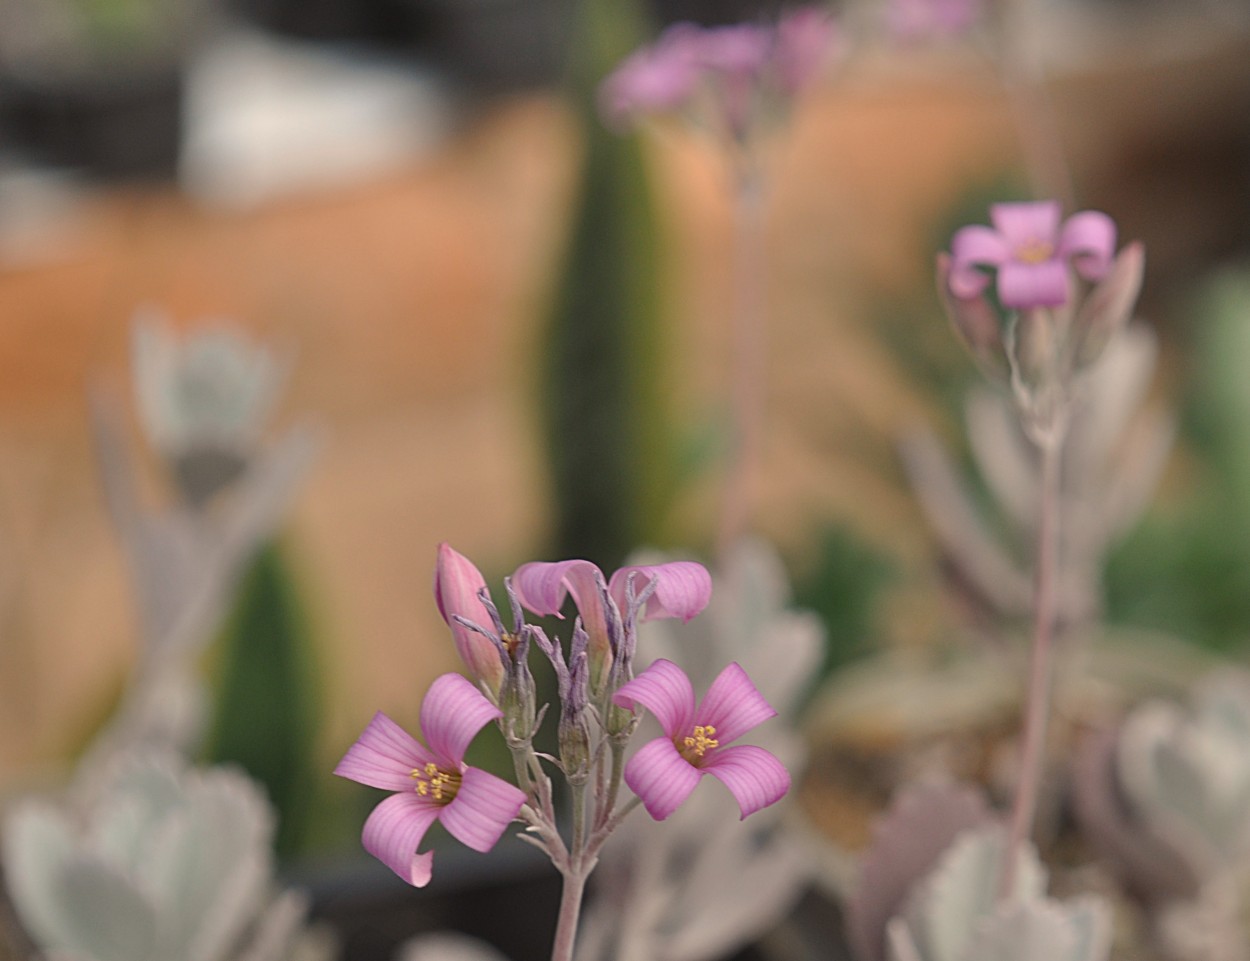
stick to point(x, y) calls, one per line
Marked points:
point(729, 78)
point(600, 701)
point(1057, 325)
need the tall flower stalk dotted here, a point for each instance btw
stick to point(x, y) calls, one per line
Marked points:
point(1054, 331)
point(738, 83)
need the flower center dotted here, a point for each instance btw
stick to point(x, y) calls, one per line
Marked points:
point(1035, 251)
point(435, 783)
point(695, 745)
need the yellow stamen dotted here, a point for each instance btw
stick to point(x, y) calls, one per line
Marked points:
point(433, 782)
point(701, 741)
point(1035, 252)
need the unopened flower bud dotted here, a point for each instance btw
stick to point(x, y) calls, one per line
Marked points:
point(457, 591)
point(976, 323)
point(1109, 306)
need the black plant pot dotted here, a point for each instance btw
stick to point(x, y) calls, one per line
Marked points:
point(115, 123)
point(510, 899)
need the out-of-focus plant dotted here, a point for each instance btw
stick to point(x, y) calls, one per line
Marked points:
point(738, 83)
point(1166, 799)
point(1186, 570)
point(203, 401)
point(602, 370)
point(1115, 454)
point(677, 893)
point(159, 862)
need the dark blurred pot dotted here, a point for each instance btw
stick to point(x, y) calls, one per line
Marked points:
point(117, 123)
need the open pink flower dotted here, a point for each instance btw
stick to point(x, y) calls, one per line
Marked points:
point(682, 589)
point(431, 783)
point(1031, 252)
point(665, 771)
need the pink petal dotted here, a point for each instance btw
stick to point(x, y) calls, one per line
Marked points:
point(651, 80)
point(457, 584)
point(1088, 238)
point(542, 586)
point(661, 777)
point(739, 50)
point(393, 831)
point(754, 776)
point(383, 756)
point(482, 809)
point(665, 691)
point(682, 588)
point(451, 715)
point(733, 705)
point(804, 39)
point(974, 247)
point(1029, 222)
point(1021, 286)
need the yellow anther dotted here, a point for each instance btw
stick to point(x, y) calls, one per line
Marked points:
point(701, 741)
point(1035, 252)
point(434, 782)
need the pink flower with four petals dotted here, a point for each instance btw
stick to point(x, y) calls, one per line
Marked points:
point(431, 783)
point(696, 740)
point(1031, 253)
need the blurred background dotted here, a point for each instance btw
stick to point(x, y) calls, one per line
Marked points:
point(385, 190)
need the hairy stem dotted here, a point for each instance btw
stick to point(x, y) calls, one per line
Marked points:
point(570, 911)
point(1037, 698)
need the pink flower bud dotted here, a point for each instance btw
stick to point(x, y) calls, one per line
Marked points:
point(457, 585)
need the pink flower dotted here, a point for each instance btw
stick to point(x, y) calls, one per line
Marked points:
point(665, 771)
point(431, 784)
point(653, 79)
point(682, 589)
point(737, 71)
point(1031, 252)
point(457, 586)
point(912, 20)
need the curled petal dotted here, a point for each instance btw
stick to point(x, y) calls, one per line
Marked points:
point(661, 777)
point(451, 715)
point(753, 775)
point(682, 588)
point(1028, 222)
point(665, 691)
point(733, 705)
point(542, 587)
point(1088, 238)
point(393, 831)
point(384, 756)
point(482, 809)
point(457, 586)
point(971, 248)
point(1021, 286)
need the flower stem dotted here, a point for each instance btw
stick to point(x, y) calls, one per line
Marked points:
point(1037, 698)
point(1032, 109)
point(570, 911)
point(747, 376)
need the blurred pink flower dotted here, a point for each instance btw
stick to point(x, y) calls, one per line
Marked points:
point(431, 784)
point(457, 588)
point(739, 69)
point(665, 771)
point(1031, 253)
point(912, 20)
